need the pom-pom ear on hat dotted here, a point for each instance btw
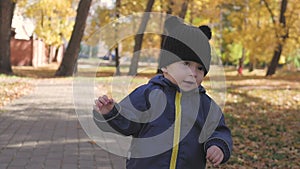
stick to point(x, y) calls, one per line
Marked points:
point(206, 30)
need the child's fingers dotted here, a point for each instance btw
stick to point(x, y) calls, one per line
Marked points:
point(104, 100)
point(97, 102)
point(217, 160)
point(109, 101)
point(105, 97)
point(104, 104)
point(215, 155)
point(95, 107)
point(210, 153)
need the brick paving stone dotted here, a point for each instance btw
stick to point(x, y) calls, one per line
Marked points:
point(15, 167)
point(19, 162)
point(69, 166)
point(37, 159)
point(52, 163)
point(70, 160)
point(41, 131)
point(3, 165)
point(35, 166)
point(103, 167)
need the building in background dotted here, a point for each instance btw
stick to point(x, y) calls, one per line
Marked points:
point(27, 49)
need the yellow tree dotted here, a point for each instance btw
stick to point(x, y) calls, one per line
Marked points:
point(102, 16)
point(268, 30)
point(139, 39)
point(281, 30)
point(249, 28)
point(68, 65)
point(53, 20)
point(291, 50)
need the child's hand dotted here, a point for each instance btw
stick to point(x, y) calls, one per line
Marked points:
point(104, 105)
point(214, 155)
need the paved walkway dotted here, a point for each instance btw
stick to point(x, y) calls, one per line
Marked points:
point(41, 131)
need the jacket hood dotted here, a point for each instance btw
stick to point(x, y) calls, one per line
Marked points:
point(164, 82)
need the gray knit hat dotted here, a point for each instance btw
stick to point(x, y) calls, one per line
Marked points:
point(185, 42)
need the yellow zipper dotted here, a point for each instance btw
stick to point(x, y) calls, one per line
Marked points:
point(176, 137)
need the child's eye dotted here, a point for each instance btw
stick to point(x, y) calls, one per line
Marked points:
point(186, 63)
point(200, 68)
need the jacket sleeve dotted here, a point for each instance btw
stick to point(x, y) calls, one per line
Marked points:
point(221, 137)
point(219, 134)
point(124, 120)
point(116, 123)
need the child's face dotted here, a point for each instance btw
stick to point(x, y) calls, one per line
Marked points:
point(187, 75)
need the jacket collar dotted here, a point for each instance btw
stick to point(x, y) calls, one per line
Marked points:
point(162, 81)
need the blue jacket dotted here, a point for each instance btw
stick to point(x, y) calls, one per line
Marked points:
point(158, 116)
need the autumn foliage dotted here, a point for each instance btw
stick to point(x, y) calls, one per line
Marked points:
point(264, 117)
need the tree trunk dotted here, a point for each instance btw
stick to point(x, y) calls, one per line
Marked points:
point(69, 62)
point(6, 14)
point(117, 57)
point(139, 39)
point(282, 38)
point(275, 59)
point(163, 36)
point(184, 8)
point(56, 54)
point(117, 64)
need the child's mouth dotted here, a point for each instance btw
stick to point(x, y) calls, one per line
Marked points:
point(189, 82)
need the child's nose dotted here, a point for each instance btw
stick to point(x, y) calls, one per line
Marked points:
point(193, 71)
